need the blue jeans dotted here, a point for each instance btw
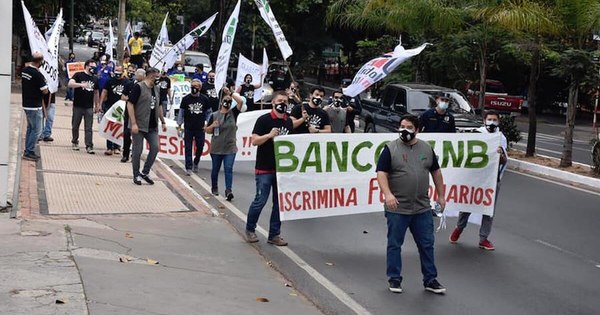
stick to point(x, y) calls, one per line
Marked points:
point(70, 93)
point(188, 137)
point(264, 183)
point(34, 129)
point(227, 160)
point(49, 121)
point(421, 227)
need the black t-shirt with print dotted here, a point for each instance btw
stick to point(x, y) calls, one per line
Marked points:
point(165, 84)
point(84, 97)
point(213, 97)
point(33, 82)
point(115, 88)
point(196, 111)
point(265, 153)
point(316, 117)
point(248, 93)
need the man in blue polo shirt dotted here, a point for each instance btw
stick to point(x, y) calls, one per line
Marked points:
point(438, 119)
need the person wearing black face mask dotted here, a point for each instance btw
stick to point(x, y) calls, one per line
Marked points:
point(210, 91)
point(247, 90)
point(86, 102)
point(491, 120)
point(310, 117)
point(166, 95)
point(268, 126)
point(337, 114)
point(223, 127)
point(403, 171)
point(194, 112)
point(135, 77)
point(111, 93)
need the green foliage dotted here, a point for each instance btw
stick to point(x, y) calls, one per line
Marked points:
point(509, 128)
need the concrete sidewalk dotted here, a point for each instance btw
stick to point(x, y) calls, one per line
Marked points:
point(89, 241)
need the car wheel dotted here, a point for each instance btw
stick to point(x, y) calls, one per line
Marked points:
point(370, 128)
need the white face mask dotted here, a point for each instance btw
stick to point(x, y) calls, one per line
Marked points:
point(443, 105)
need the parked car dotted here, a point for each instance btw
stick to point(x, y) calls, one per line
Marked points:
point(95, 39)
point(383, 113)
point(496, 97)
point(278, 78)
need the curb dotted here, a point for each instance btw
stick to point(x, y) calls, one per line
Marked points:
point(518, 165)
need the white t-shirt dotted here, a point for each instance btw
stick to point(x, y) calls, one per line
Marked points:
point(503, 144)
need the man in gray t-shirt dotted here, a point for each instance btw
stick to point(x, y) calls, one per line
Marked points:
point(337, 114)
point(403, 173)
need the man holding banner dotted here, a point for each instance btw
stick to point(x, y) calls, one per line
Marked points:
point(403, 175)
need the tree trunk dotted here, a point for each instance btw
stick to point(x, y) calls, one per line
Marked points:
point(482, 76)
point(533, 76)
point(121, 33)
point(567, 155)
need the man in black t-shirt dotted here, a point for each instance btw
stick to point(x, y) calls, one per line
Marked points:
point(134, 76)
point(268, 126)
point(166, 95)
point(210, 91)
point(34, 88)
point(194, 112)
point(144, 112)
point(85, 104)
point(311, 118)
point(111, 93)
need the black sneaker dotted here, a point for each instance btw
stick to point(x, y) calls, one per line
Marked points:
point(228, 194)
point(435, 287)
point(31, 157)
point(215, 191)
point(124, 159)
point(48, 139)
point(137, 180)
point(195, 168)
point(90, 150)
point(147, 179)
point(395, 285)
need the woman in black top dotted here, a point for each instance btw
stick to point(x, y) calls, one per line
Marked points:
point(247, 90)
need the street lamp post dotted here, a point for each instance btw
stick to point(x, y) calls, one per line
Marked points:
point(72, 18)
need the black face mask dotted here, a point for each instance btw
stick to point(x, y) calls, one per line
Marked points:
point(211, 80)
point(227, 104)
point(248, 82)
point(195, 90)
point(156, 81)
point(406, 136)
point(317, 101)
point(92, 70)
point(491, 127)
point(130, 75)
point(281, 107)
point(337, 102)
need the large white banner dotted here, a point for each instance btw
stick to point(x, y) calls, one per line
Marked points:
point(178, 49)
point(379, 68)
point(327, 175)
point(159, 51)
point(109, 45)
point(171, 145)
point(267, 14)
point(225, 50)
point(246, 66)
point(37, 42)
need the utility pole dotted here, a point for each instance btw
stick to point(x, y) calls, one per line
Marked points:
point(5, 77)
point(72, 22)
point(121, 33)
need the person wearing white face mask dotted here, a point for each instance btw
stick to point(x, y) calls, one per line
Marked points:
point(438, 119)
point(403, 171)
point(491, 120)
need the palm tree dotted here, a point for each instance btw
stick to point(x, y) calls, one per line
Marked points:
point(580, 18)
point(532, 19)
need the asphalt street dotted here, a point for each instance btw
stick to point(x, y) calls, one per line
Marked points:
point(546, 261)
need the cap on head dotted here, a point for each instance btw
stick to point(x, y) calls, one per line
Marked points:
point(441, 96)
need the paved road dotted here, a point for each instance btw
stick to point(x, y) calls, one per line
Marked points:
point(82, 52)
point(550, 138)
point(546, 261)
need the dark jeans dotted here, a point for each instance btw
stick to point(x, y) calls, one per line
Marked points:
point(188, 138)
point(137, 60)
point(264, 184)
point(88, 116)
point(227, 160)
point(126, 136)
point(138, 146)
point(421, 227)
point(34, 129)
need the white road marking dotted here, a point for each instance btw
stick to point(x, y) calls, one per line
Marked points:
point(568, 252)
point(555, 182)
point(317, 276)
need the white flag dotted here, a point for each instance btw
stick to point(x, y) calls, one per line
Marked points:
point(37, 42)
point(267, 14)
point(246, 66)
point(263, 72)
point(128, 34)
point(49, 32)
point(178, 49)
point(159, 51)
point(111, 40)
point(225, 50)
point(379, 68)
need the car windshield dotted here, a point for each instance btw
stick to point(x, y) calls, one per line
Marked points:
point(193, 60)
point(423, 100)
